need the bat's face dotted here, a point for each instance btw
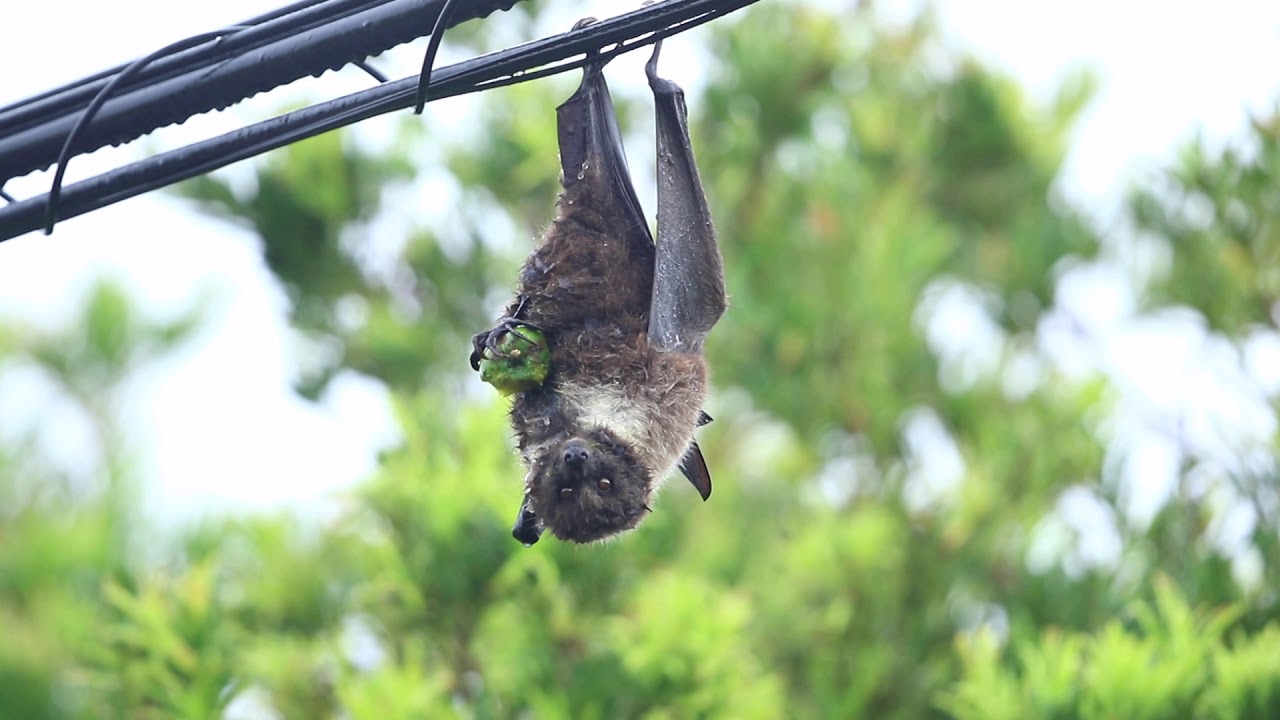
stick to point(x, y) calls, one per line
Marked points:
point(588, 487)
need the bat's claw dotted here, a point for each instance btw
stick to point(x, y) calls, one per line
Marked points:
point(489, 341)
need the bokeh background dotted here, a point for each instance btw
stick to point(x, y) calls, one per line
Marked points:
point(995, 401)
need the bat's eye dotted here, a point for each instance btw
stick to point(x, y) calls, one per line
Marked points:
point(566, 493)
point(604, 484)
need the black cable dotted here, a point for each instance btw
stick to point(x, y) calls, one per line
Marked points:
point(87, 116)
point(267, 28)
point(250, 62)
point(94, 79)
point(7, 197)
point(433, 46)
point(372, 71)
point(521, 76)
point(51, 213)
point(505, 67)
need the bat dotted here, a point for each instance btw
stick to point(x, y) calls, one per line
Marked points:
point(623, 320)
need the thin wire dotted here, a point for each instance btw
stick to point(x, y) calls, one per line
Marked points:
point(620, 48)
point(371, 70)
point(433, 46)
point(363, 111)
point(55, 190)
point(7, 197)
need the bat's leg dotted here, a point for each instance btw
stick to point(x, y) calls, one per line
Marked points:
point(591, 150)
point(688, 281)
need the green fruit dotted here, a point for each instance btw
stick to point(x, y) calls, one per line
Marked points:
point(523, 365)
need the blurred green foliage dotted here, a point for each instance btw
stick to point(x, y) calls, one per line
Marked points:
point(856, 169)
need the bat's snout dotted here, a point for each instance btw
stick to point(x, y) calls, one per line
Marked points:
point(576, 454)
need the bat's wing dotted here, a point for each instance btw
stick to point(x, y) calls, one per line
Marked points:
point(688, 277)
point(589, 138)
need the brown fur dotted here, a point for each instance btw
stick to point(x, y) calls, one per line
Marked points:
point(588, 286)
point(617, 411)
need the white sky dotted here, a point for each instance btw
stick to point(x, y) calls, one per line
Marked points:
point(218, 425)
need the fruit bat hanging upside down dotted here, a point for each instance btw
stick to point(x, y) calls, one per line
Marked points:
point(602, 346)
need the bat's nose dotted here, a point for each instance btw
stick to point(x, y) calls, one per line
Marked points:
point(576, 453)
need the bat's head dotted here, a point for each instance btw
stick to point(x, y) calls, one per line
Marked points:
point(589, 486)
